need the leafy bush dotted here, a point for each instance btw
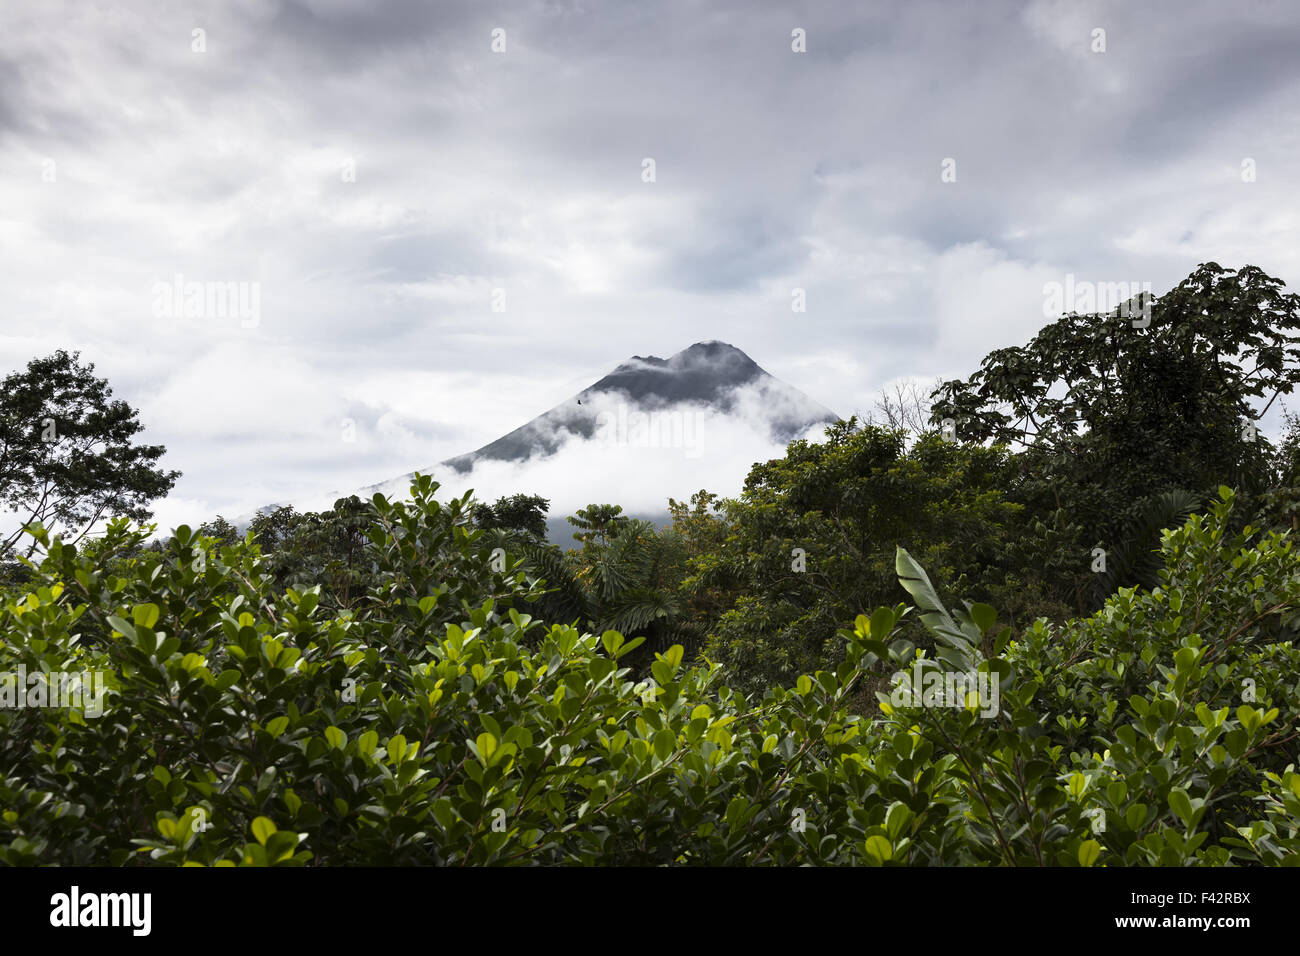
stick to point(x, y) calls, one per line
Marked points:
point(1162, 723)
point(437, 722)
point(811, 542)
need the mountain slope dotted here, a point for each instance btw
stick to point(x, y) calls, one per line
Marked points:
point(712, 375)
point(651, 429)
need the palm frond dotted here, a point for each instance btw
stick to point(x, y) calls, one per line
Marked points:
point(1134, 561)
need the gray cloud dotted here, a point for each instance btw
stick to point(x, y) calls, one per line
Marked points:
point(521, 172)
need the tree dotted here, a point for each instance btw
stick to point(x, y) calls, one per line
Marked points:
point(303, 550)
point(66, 452)
point(698, 522)
point(812, 537)
point(520, 514)
point(633, 583)
point(330, 548)
point(271, 529)
point(597, 523)
point(1279, 507)
point(906, 406)
point(220, 529)
point(1115, 410)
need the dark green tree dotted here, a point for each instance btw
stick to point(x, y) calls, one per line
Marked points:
point(633, 584)
point(222, 530)
point(598, 524)
point(519, 514)
point(813, 537)
point(330, 549)
point(1280, 506)
point(271, 529)
point(67, 457)
point(1117, 409)
point(323, 548)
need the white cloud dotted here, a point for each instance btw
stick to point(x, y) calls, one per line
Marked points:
point(521, 171)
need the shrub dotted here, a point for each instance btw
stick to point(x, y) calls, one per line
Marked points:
point(438, 723)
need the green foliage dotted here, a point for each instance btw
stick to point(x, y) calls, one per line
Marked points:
point(1135, 560)
point(633, 582)
point(1166, 715)
point(627, 576)
point(437, 723)
point(220, 530)
point(330, 549)
point(812, 538)
point(66, 452)
point(1279, 505)
point(324, 549)
point(1113, 415)
point(597, 524)
point(1152, 733)
point(522, 515)
point(273, 529)
point(565, 599)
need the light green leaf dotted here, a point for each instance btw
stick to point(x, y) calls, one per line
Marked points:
point(934, 615)
point(145, 615)
point(262, 829)
point(879, 849)
point(1089, 850)
point(121, 626)
point(367, 743)
point(1181, 805)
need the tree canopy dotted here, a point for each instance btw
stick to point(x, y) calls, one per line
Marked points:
point(1113, 409)
point(67, 458)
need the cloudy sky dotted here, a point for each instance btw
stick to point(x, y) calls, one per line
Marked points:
point(376, 172)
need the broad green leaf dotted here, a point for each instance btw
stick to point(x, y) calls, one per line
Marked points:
point(262, 829)
point(123, 628)
point(934, 615)
point(1181, 805)
point(879, 848)
point(367, 743)
point(1089, 850)
point(145, 615)
point(984, 617)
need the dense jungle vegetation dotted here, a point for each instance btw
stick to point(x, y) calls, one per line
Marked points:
point(1084, 553)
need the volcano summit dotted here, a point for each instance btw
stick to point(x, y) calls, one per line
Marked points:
point(649, 399)
point(651, 429)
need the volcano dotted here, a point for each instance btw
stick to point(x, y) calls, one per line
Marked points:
point(659, 394)
point(651, 429)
